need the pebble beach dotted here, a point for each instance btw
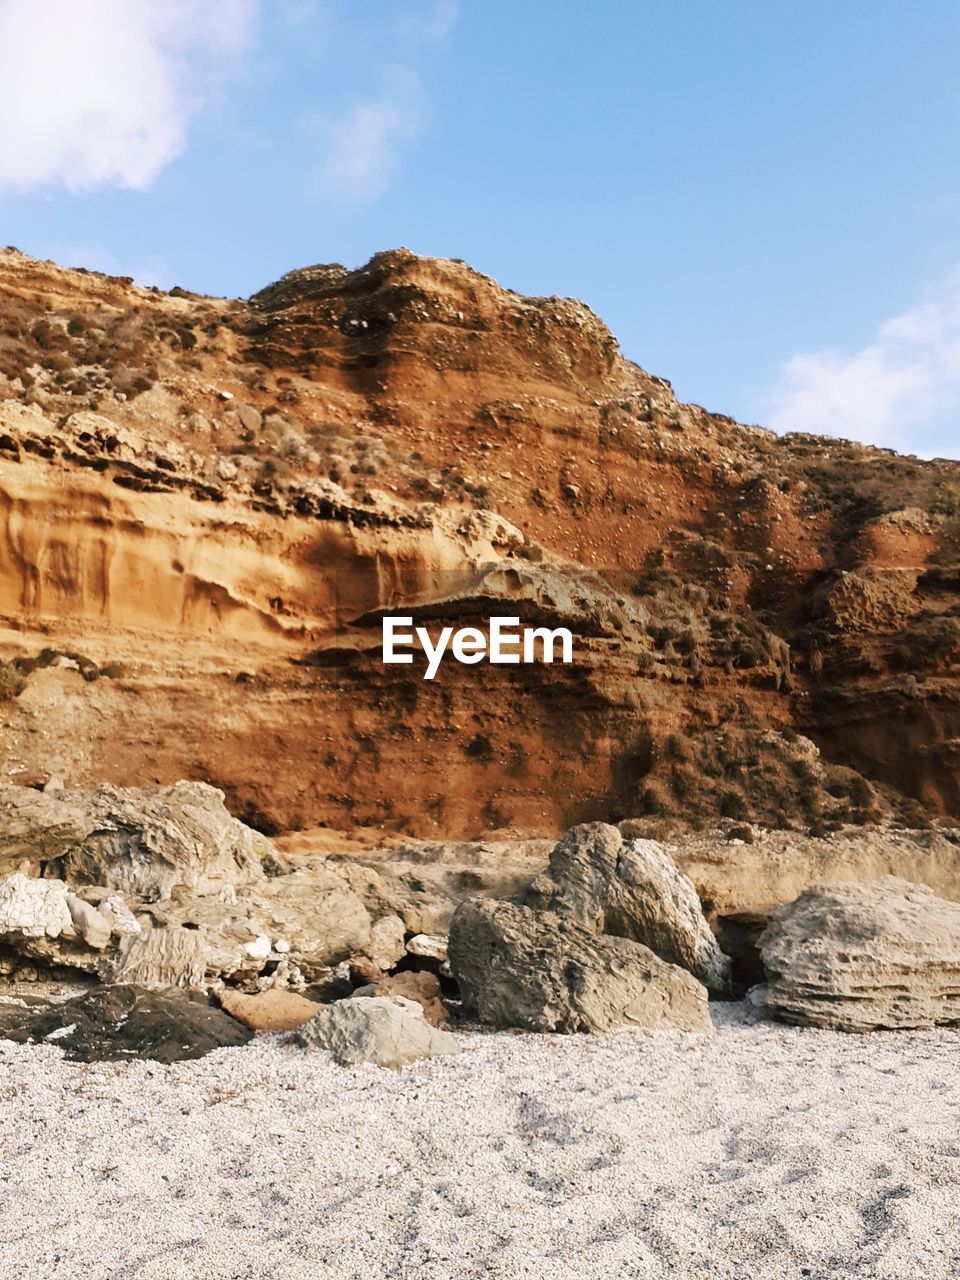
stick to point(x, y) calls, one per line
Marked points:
point(757, 1152)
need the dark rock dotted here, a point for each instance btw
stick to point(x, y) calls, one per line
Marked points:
point(113, 1023)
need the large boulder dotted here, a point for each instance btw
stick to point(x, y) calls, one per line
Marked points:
point(143, 841)
point(864, 955)
point(118, 1022)
point(387, 1031)
point(630, 889)
point(544, 972)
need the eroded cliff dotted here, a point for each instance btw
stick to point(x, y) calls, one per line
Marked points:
point(206, 505)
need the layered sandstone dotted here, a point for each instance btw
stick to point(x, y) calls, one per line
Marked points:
point(206, 506)
point(863, 956)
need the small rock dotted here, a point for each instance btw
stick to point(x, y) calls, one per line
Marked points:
point(385, 946)
point(251, 419)
point(35, 908)
point(429, 946)
point(93, 927)
point(123, 923)
point(259, 948)
point(387, 1031)
point(412, 984)
point(272, 1010)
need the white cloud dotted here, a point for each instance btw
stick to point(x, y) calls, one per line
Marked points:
point(418, 30)
point(361, 148)
point(100, 92)
point(902, 390)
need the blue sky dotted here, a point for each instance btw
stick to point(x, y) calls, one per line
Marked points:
point(762, 199)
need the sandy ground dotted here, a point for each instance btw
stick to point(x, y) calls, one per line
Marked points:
point(760, 1151)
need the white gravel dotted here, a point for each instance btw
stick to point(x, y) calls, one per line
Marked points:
point(760, 1151)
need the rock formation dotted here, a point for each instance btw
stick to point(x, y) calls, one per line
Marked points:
point(163, 887)
point(533, 969)
point(630, 889)
point(385, 1030)
point(208, 505)
point(145, 841)
point(863, 956)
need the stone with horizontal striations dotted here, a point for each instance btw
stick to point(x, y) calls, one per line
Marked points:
point(864, 955)
point(157, 958)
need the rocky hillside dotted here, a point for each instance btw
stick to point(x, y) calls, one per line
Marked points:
point(207, 504)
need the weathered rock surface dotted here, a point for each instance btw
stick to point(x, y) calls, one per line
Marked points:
point(412, 984)
point(385, 946)
point(117, 1022)
point(159, 958)
point(144, 841)
point(534, 969)
point(34, 908)
point(313, 915)
point(428, 946)
point(44, 920)
point(864, 955)
point(777, 866)
point(630, 889)
point(423, 880)
point(387, 1031)
point(273, 1010)
point(521, 450)
point(194, 874)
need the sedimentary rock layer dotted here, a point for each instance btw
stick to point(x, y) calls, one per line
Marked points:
point(206, 506)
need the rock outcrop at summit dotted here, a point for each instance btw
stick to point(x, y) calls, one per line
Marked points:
point(863, 956)
point(207, 505)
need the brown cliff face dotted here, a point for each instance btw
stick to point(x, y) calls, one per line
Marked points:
point(205, 506)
